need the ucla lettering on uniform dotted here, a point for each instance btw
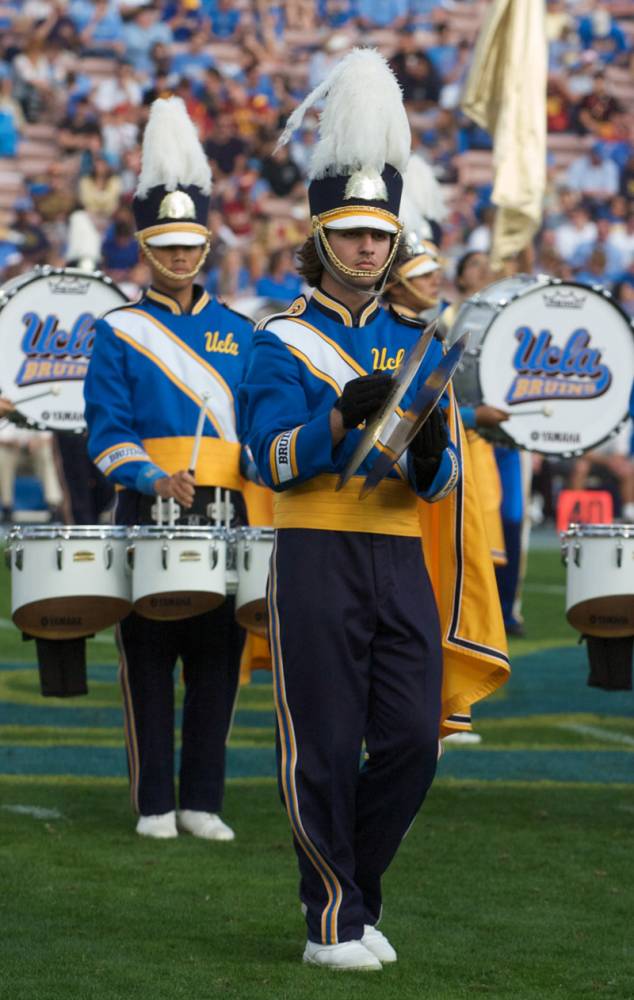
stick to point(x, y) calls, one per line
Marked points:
point(546, 371)
point(381, 361)
point(214, 343)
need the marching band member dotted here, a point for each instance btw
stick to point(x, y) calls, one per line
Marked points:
point(154, 362)
point(354, 626)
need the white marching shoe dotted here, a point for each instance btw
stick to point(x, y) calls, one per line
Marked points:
point(378, 944)
point(209, 826)
point(349, 955)
point(162, 827)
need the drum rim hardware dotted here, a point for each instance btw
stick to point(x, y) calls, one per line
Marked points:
point(579, 530)
point(67, 532)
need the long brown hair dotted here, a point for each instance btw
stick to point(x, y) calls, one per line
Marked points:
point(310, 268)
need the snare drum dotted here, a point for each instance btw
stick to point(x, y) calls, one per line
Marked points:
point(254, 548)
point(47, 320)
point(600, 578)
point(68, 582)
point(558, 356)
point(177, 571)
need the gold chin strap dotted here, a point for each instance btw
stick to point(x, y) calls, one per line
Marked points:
point(165, 271)
point(425, 301)
point(350, 272)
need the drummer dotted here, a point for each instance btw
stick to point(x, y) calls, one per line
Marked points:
point(152, 364)
point(354, 626)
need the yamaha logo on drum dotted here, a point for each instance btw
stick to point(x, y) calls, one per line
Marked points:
point(57, 620)
point(546, 372)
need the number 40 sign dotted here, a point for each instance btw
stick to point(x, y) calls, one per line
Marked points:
point(584, 507)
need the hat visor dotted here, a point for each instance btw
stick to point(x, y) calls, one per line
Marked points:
point(176, 238)
point(423, 266)
point(361, 221)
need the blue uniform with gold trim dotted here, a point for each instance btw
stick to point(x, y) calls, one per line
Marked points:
point(150, 368)
point(150, 365)
point(310, 353)
point(354, 628)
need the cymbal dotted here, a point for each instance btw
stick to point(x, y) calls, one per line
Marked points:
point(402, 379)
point(413, 419)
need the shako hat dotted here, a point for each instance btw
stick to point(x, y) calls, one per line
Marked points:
point(171, 202)
point(355, 174)
point(422, 202)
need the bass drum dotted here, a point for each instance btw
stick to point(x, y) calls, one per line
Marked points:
point(558, 356)
point(47, 320)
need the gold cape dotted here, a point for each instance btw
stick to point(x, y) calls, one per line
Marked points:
point(455, 543)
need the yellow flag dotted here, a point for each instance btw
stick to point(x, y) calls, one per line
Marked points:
point(506, 95)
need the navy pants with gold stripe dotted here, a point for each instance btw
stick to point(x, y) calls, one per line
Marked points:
point(209, 646)
point(357, 658)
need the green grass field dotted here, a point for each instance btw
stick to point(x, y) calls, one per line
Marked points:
point(517, 880)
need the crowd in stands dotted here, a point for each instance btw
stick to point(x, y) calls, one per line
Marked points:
point(77, 78)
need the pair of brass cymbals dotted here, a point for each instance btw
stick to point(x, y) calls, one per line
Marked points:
point(401, 430)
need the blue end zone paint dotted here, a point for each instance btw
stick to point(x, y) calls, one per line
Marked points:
point(542, 683)
point(56, 714)
point(110, 762)
point(597, 767)
point(552, 680)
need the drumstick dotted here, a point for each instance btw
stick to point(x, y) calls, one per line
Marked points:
point(543, 411)
point(54, 391)
point(199, 434)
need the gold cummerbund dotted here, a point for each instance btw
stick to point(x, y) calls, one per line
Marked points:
point(389, 510)
point(218, 461)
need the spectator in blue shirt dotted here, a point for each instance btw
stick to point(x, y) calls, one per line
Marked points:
point(120, 250)
point(142, 33)
point(442, 53)
point(599, 31)
point(103, 35)
point(382, 13)
point(614, 258)
point(281, 282)
point(229, 279)
point(194, 61)
point(186, 20)
point(336, 13)
point(225, 19)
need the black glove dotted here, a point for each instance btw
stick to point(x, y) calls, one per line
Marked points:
point(427, 447)
point(362, 397)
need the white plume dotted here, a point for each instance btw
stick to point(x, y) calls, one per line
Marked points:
point(172, 154)
point(363, 123)
point(84, 239)
point(423, 197)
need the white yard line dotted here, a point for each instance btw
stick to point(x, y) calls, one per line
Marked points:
point(38, 812)
point(602, 734)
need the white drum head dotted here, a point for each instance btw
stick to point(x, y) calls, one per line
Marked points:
point(567, 352)
point(47, 322)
